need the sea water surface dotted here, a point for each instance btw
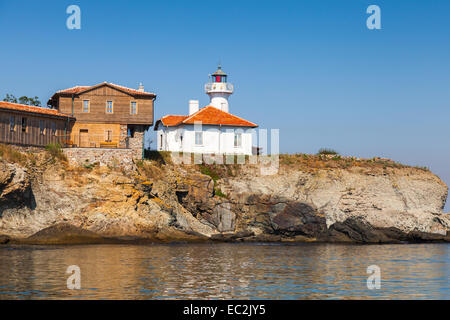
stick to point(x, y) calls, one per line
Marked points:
point(226, 271)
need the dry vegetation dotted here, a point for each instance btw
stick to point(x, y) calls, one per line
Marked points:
point(11, 154)
point(156, 164)
point(150, 169)
point(33, 158)
point(322, 161)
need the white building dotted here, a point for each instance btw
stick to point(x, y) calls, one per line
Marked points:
point(211, 129)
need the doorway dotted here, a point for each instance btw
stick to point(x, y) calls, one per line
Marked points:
point(84, 138)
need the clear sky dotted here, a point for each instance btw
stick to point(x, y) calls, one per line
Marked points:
point(309, 68)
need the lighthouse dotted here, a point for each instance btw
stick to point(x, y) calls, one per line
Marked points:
point(208, 130)
point(218, 90)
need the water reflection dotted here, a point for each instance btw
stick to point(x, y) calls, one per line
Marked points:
point(226, 271)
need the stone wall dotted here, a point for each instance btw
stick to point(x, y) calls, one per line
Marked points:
point(103, 156)
point(123, 136)
point(136, 142)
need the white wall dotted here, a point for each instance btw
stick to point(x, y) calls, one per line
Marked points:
point(218, 140)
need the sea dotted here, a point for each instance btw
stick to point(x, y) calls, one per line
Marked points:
point(226, 271)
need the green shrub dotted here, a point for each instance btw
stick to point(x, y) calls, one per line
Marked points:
point(326, 151)
point(55, 150)
point(219, 193)
point(209, 172)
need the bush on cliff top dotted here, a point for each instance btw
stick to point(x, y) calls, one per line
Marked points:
point(326, 151)
point(55, 150)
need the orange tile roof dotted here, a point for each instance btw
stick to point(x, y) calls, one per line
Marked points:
point(32, 109)
point(207, 115)
point(79, 89)
point(76, 89)
point(172, 120)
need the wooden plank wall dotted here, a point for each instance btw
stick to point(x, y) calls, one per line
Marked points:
point(97, 113)
point(31, 136)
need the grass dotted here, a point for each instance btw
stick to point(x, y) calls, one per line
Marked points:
point(422, 168)
point(320, 161)
point(161, 157)
point(55, 150)
point(149, 170)
point(209, 171)
point(218, 192)
point(91, 166)
point(10, 154)
point(212, 171)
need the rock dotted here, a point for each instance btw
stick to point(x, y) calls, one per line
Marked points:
point(64, 233)
point(232, 236)
point(15, 187)
point(300, 218)
point(4, 239)
point(356, 204)
point(223, 218)
point(56, 204)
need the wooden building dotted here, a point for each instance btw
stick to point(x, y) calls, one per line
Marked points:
point(107, 115)
point(32, 126)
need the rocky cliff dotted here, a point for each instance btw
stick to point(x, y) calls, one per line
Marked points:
point(311, 198)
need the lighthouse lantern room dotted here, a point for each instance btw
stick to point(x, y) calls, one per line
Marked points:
point(218, 90)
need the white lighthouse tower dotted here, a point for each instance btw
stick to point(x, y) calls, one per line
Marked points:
point(218, 90)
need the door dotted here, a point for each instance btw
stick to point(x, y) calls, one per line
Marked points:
point(84, 138)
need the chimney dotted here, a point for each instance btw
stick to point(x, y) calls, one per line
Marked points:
point(193, 106)
point(141, 87)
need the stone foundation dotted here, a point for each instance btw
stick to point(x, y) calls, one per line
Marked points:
point(123, 136)
point(122, 158)
point(136, 142)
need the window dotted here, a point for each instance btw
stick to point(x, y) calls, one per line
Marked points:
point(199, 138)
point(238, 140)
point(53, 129)
point(24, 124)
point(108, 136)
point(85, 105)
point(133, 107)
point(12, 124)
point(109, 107)
point(41, 126)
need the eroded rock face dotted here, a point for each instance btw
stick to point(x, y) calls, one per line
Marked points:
point(223, 218)
point(15, 187)
point(356, 204)
point(348, 205)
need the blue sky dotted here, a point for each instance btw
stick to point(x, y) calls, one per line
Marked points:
point(309, 68)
